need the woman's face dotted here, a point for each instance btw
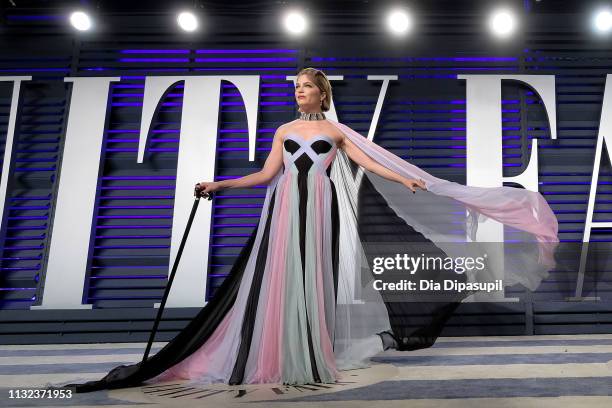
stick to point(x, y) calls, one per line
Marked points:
point(307, 95)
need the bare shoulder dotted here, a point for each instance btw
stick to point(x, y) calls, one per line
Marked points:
point(285, 128)
point(337, 135)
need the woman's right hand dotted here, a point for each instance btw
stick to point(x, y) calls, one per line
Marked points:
point(206, 187)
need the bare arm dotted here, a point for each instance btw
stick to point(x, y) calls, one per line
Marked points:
point(271, 167)
point(365, 161)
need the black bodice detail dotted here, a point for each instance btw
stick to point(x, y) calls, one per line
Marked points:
point(320, 146)
point(304, 162)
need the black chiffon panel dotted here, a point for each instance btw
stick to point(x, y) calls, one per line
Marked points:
point(189, 339)
point(414, 324)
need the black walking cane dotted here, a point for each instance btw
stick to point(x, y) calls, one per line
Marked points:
point(196, 201)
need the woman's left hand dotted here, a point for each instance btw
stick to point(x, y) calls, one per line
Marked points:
point(412, 183)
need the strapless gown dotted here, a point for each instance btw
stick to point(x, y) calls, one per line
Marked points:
point(281, 326)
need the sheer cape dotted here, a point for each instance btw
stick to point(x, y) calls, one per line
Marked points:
point(447, 217)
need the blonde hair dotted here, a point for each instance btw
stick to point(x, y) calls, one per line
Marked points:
point(321, 81)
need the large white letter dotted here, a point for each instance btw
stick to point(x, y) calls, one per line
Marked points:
point(196, 162)
point(604, 134)
point(379, 102)
point(76, 194)
point(484, 153)
point(8, 145)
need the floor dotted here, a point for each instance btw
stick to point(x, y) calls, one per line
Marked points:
point(532, 371)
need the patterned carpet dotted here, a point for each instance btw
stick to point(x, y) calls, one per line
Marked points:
point(533, 371)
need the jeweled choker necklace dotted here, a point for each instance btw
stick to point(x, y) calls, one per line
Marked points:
point(312, 116)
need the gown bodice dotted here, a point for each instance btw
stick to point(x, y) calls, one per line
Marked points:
point(308, 156)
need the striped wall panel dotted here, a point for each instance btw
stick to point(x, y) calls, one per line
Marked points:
point(423, 121)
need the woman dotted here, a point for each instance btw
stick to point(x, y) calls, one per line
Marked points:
point(295, 307)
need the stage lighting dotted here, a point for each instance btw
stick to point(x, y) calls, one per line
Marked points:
point(80, 21)
point(399, 22)
point(295, 22)
point(603, 21)
point(187, 21)
point(502, 23)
